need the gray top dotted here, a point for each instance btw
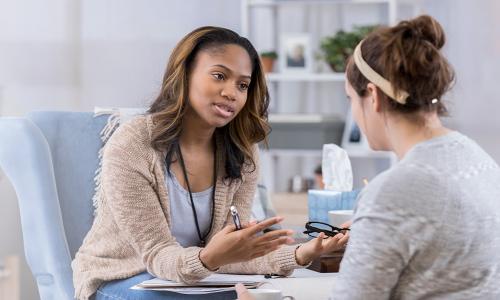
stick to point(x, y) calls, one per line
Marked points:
point(428, 228)
point(183, 225)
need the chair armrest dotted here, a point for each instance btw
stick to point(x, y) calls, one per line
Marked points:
point(26, 160)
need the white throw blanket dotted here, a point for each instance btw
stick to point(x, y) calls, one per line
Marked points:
point(116, 117)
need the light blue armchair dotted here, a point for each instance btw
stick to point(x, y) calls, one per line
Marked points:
point(50, 158)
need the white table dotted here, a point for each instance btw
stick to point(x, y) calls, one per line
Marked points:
point(304, 284)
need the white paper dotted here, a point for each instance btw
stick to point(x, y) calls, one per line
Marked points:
point(187, 291)
point(214, 283)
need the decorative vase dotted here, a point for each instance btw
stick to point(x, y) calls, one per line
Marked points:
point(267, 64)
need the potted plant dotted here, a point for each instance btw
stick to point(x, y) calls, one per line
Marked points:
point(336, 49)
point(267, 58)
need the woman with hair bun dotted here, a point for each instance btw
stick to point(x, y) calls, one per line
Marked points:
point(429, 227)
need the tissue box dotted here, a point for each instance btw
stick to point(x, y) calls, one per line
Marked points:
point(319, 202)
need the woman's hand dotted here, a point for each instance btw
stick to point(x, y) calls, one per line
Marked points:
point(346, 224)
point(229, 246)
point(243, 293)
point(316, 247)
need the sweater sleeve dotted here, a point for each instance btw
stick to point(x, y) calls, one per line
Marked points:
point(128, 189)
point(281, 261)
point(388, 231)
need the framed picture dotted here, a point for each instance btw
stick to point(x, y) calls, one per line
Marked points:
point(295, 53)
point(352, 138)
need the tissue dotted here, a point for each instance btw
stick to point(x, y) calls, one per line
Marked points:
point(337, 170)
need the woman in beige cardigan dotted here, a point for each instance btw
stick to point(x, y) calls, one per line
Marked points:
point(169, 178)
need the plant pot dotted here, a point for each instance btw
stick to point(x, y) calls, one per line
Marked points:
point(267, 64)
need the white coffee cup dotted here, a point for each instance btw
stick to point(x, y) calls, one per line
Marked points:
point(267, 294)
point(339, 217)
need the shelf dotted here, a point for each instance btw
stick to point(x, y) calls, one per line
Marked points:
point(293, 152)
point(302, 135)
point(303, 118)
point(325, 77)
point(285, 2)
point(370, 154)
point(319, 153)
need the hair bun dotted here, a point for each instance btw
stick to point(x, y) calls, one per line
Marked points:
point(408, 56)
point(427, 28)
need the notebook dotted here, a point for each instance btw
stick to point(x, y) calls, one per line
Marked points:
point(214, 283)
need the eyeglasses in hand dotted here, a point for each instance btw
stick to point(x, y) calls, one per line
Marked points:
point(313, 229)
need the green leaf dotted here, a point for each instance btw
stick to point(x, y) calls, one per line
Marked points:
point(336, 49)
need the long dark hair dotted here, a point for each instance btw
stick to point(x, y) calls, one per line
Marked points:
point(237, 138)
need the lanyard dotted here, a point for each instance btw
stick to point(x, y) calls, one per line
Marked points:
point(184, 171)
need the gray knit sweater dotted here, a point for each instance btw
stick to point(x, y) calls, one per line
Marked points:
point(429, 228)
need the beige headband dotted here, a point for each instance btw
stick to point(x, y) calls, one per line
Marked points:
point(376, 78)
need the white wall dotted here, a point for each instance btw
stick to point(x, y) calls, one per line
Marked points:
point(473, 48)
point(126, 44)
point(38, 61)
point(74, 55)
point(38, 70)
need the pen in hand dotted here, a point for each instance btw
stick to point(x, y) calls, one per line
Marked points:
point(236, 217)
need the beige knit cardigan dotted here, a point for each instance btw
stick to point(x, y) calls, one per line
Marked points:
point(131, 231)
